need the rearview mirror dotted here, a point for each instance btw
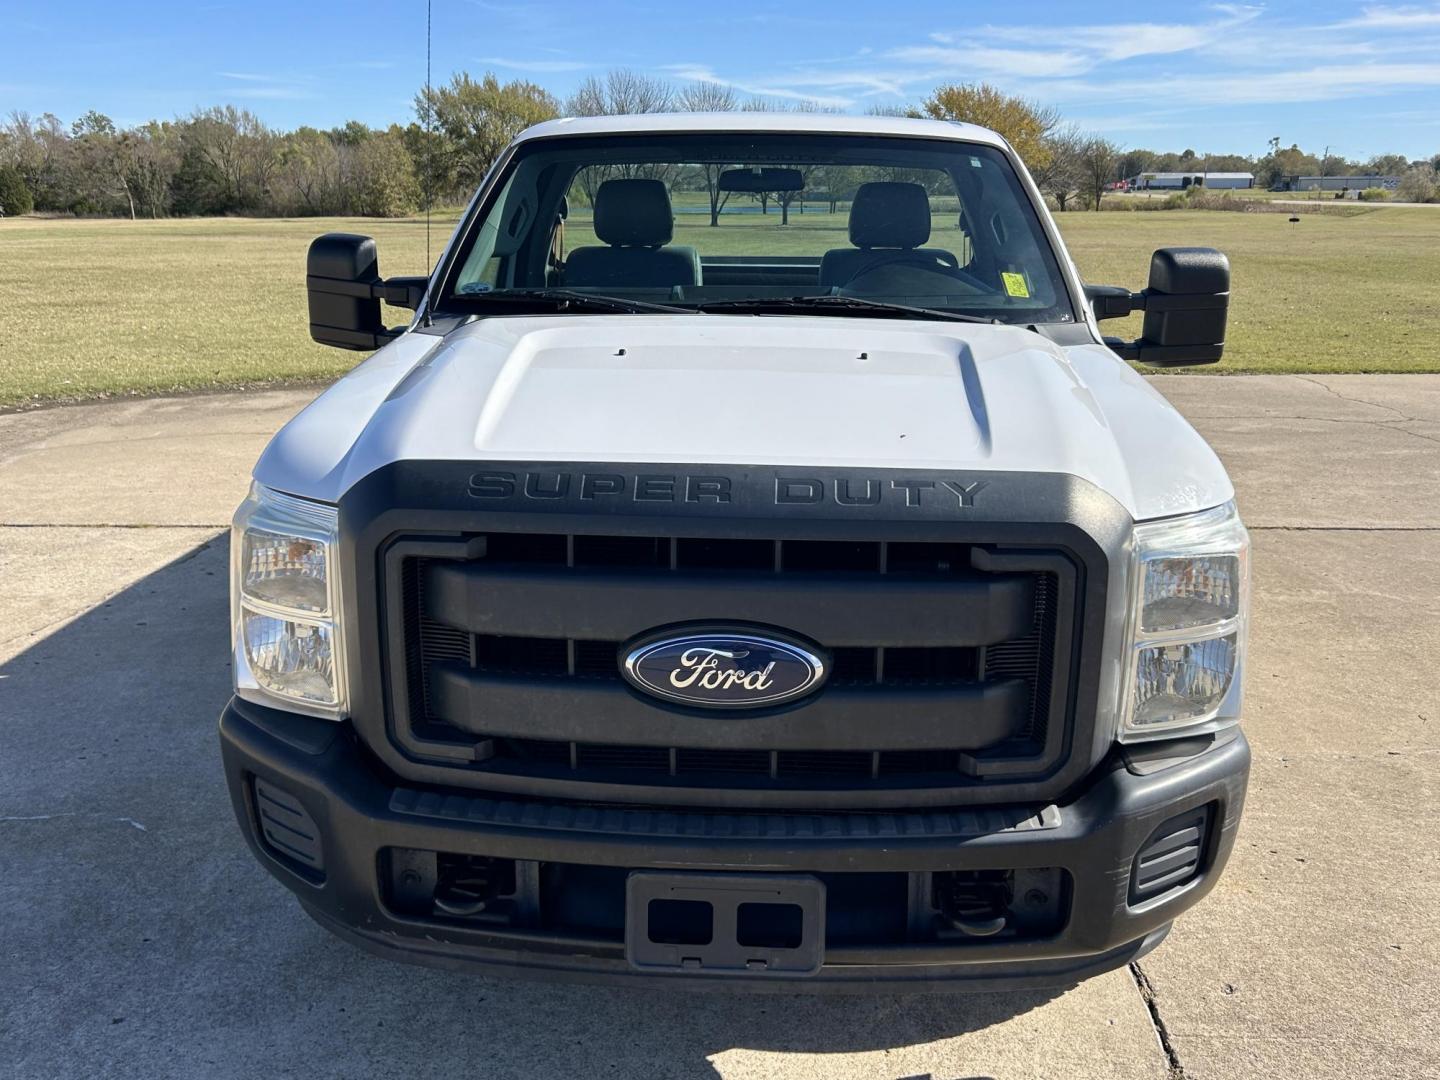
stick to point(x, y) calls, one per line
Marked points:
point(757, 181)
point(344, 288)
point(1186, 305)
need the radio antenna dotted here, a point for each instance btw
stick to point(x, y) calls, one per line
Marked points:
point(429, 139)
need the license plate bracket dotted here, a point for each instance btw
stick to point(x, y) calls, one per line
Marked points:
point(755, 925)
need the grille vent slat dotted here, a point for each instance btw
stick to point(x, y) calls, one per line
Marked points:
point(1172, 856)
point(429, 641)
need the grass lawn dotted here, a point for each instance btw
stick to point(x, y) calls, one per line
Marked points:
point(90, 308)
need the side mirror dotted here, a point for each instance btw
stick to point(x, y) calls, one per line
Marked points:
point(343, 283)
point(1185, 305)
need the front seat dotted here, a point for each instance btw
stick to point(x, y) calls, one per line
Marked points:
point(889, 221)
point(634, 220)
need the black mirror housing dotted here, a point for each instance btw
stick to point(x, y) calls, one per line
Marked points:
point(344, 289)
point(1110, 301)
point(341, 271)
point(1186, 307)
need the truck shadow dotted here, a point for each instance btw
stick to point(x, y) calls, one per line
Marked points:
point(144, 940)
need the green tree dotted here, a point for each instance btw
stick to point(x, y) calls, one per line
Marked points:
point(1134, 162)
point(1278, 164)
point(385, 184)
point(479, 119)
point(1420, 184)
point(242, 155)
point(15, 197)
point(1026, 125)
point(196, 188)
point(434, 168)
point(308, 180)
point(1388, 165)
point(148, 157)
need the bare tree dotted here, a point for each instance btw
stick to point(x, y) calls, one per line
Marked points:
point(152, 154)
point(707, 97)
point(1060, 176)
point(242, 151)
point(787, 198)
point(710, 97)
point(1098, 159)
point(909, 112)
point(621, 92)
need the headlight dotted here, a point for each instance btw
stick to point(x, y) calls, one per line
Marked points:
point(1188, 625)
point(286, 632)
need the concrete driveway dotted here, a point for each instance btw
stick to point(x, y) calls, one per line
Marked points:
point(141, 940)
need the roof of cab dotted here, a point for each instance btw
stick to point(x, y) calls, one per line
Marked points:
point(821, 123)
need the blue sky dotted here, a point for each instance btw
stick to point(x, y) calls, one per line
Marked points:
point(1362, 78)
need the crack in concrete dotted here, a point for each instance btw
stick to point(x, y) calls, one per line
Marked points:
point(1354, 400)
point(1174, 1069)
point(52, 817)
point(1401, 417)
point(1388, 425)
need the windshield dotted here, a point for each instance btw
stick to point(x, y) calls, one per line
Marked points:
point(771, 222)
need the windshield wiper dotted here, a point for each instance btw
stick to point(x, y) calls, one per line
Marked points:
point(567, 299)
point(761, 305)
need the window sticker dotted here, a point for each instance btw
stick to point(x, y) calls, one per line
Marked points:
point(1014, 284)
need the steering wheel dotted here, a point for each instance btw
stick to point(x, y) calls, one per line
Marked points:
point(924, 262)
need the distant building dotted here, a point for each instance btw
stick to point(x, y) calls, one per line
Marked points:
point(1336, 183)
point(1176, 181)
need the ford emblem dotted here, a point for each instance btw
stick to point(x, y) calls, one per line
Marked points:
point(723, 669)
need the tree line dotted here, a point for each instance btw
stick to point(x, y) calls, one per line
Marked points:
point(225, 160)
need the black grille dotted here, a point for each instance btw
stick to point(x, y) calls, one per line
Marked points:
point(562, 569)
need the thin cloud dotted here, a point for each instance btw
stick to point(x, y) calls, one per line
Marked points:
point(536, 65)
point(272, 93)
point(1327, 82)
point(262, 87)
point(1406, 17)
point(979, 60)
point(1111, 42)
point(765, 89)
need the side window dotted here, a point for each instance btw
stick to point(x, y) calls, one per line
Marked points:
point(580, 208)
point(489, 275)
point(481, 271)
point(964, 246)
point(496, 258)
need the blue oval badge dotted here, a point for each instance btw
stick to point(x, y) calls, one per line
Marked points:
point(722, 669)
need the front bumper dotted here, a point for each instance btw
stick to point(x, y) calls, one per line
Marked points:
point(358, 816)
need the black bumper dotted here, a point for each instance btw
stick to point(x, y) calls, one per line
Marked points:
point(357, 816)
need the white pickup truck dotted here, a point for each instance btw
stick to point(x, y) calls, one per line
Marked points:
point(750, 566)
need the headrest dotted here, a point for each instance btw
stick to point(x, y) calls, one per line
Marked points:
point(890, 215)
point(633, 213)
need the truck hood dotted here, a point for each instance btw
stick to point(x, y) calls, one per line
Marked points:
point(752, 390)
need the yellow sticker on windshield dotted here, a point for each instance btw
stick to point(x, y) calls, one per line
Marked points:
point(1014, 284)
